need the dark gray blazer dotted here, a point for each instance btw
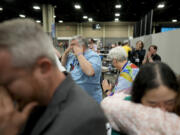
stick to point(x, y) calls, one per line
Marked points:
point(71, 112)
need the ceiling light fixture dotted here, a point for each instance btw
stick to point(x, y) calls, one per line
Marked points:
point(161, 5)
point(117, 14)
point(54, 16)
point(118, 6)
point(90, 19)
point(38, 21)
point(77, 6)
point(116, 19)
point(85, 17)
point(174, 20)
point(1, 9)
point(60, 21)
point(22, 16)
point(36, 7)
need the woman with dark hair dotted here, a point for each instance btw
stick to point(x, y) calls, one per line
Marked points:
point(155, 88)
point(177, 106)
point(138, 53)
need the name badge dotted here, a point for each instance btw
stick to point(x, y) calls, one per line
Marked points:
point(137, 60)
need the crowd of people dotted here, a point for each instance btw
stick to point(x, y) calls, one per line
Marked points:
point(42, 93)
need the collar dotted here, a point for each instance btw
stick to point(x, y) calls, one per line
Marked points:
point(62, 90)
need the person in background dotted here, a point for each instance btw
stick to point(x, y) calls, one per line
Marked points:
point(128, 49)
point(157, 89)
point(65, 45)
point(84, 66)
point(119, 43)
point(58, 59)
point(113, 45)
point(92, 45)
point(128, 72)
point(36, 98)
point(60, 44)
point(137, 55)
point(152, 55)
point(98, 50)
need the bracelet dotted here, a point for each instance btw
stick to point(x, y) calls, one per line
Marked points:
point(106, 91)
point(79, 54)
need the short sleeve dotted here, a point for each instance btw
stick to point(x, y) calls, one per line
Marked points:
point(95, 61)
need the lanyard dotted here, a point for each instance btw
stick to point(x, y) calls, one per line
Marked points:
point(124, 65)
point(116, 82)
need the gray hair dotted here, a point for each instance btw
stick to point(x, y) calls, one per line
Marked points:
point(82, 41)
point(26, 42)
point(118, 53)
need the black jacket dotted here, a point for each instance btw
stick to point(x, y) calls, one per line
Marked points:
point(137, 56)
point(71, 112)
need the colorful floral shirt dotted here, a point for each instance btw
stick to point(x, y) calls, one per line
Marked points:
point(125, 79)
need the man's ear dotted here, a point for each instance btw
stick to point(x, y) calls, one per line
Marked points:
point(44, 65)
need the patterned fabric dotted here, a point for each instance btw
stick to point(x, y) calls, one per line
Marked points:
point(125, 79)
point(136, 119)
point(91, 84)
